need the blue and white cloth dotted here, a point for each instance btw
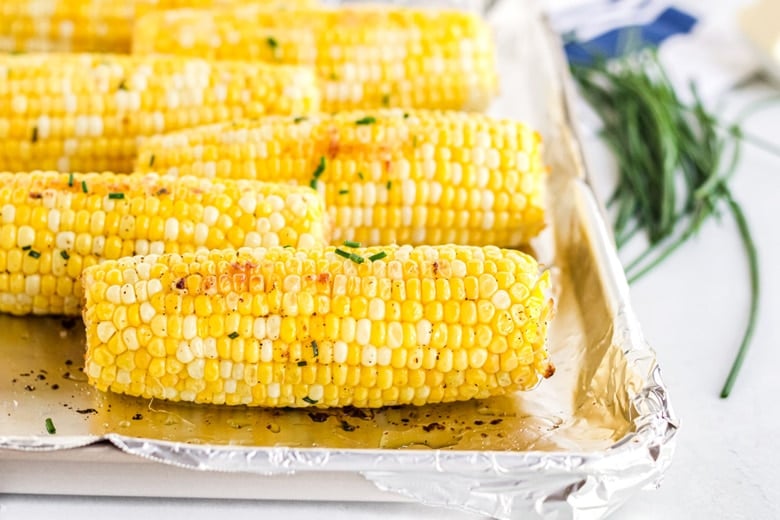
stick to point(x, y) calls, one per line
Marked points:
point(706, 49)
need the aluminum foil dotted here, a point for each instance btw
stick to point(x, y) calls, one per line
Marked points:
point(578, 446)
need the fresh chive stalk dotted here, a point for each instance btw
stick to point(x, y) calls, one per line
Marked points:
point(674, 161)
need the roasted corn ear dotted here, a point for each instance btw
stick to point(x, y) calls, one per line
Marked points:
point(87, 25)
point(324, 327)
point(388, 176)
point(53, 225)
point(86, 112)
point(366, 56)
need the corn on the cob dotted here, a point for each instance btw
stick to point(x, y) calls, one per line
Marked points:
point(324, 327)
point(366, 56)
point(86, 112)
point(52, 225)
point(388, 176)
point(86, 25)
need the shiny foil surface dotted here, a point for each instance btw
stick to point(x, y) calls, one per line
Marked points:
point(577, 446)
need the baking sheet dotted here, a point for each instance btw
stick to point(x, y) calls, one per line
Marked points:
point(600, 429)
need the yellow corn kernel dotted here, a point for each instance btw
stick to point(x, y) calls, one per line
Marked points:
point(419, 63)
point(92, 99)
point(86, 25)
point(45, 279)
point(384, 186)
point(369, 361)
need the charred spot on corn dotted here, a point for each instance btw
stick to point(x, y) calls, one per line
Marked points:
point(315, 351)
point(122, 85)
point(151, 160)
point(35, 134)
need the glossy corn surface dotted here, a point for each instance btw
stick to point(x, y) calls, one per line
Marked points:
point(388, 176)
point(366, 56)
point(87, 112)
point(53, 225)
point(324, 327)
point(87, 25)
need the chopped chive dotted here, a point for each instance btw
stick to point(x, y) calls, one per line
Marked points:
point(302, 363)
point(343, 192)
point(360, 175)
point(389, 184)
point(272, 43)
point(356, 258)
point(64, 254)
point(233, 335)
point(333, 76)
point(315, 350)
point(313, 184)
point(288, 246)
point(35, 134)
point(368, 120)
point(122, 85)
point(33, 253)
point(414, 141)
point(151, 160)
point(26, 248)
point(352, 243)
point(300, 119)
point(116, 196)
point(50, 426)
point(310, 400)
point(320, 168)
point(377, 256)
point(386, 100)
point(84, 186)
point(342, 253)
point(162, 191)
point(70, 180)
point(406, 115)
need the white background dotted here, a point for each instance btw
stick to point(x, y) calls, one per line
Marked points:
point(693, 309)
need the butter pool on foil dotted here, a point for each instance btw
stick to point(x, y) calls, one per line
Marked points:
point(577, 446)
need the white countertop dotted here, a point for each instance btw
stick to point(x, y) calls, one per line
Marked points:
point(692, 309)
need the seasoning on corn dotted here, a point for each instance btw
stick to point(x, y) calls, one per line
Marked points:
point(50, 229)
point(86, 25)
point(417, 177)
point(280, 327)
point(81, 120)
point(366, 56)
